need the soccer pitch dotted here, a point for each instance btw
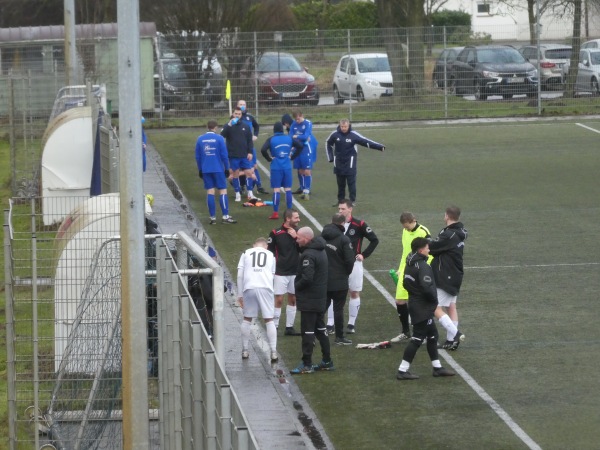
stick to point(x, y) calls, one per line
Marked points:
point(529, 303)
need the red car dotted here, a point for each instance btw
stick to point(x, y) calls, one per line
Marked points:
point(281, 78)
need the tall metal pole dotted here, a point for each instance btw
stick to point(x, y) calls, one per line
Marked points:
point(539, 69)
point(70, 39)
point(133, 302)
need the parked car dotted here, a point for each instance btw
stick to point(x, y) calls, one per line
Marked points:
point(281, 78)
point(552, 58)
point(588, 71)
point(171, 84)
point(210, 73)
point(493, 70)
point(594, 43)
point(446, 59)
point(362, 76)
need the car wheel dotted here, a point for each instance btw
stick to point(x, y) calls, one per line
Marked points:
point(337, 98)
point(479, 93)
point(360, 96)
point(595, 87)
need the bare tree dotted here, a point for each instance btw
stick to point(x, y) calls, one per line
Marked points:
point(576, 45)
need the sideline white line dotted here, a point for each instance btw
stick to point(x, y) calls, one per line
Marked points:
point(490, 401)
point(463, 373)
point(587, 128)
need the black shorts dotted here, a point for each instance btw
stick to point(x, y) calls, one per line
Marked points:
point(425, 330)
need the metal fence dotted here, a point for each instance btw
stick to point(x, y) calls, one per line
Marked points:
point(190, 72)
point(64, 337)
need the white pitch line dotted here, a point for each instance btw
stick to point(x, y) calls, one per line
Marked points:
point(462, 372)
point(490, 401)
point(587, 128)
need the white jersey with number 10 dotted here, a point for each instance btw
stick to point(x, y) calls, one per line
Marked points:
point(257, 269)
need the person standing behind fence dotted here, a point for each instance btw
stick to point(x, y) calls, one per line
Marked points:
point(255, 127)
point(238, 137)
point(340, 257)
point(343, 153)
point(301, 129)
point(213, 168)
point(283, 149)
point(256, 270)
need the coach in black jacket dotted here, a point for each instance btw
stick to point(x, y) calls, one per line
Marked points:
point(422, 302)
point(340, 257)
point(311, 296)
point(342, 152)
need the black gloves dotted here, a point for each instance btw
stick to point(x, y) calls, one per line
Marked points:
point(200, 173)
point(226, 173)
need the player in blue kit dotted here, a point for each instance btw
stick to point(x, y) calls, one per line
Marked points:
point(283, 148)
point(301, 129)
point(213, 168)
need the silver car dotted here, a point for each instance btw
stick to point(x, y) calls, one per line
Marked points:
point(552, 58)
point(588, 71)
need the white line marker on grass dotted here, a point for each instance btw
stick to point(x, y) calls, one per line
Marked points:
point(462, 372)
point(587, 128)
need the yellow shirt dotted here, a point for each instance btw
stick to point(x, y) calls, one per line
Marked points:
point(407, 238)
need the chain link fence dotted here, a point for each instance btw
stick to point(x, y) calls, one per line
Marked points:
point(410, 75)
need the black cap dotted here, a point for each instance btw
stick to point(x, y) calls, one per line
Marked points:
point(278, 127)
point(286, 119)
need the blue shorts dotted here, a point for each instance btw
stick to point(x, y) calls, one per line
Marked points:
point(214, 180)
point(253, 157)
point(240, 163)
point(304, 161)
point(281, 178)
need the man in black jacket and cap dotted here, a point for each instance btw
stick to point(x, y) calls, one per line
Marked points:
point(340, 257)
point(422, 302)
point(311, 296)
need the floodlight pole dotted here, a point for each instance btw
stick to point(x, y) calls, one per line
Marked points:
point(133, 301)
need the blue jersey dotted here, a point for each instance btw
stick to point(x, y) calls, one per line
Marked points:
point(303, 132)
point(283, 149)
point(211, 153)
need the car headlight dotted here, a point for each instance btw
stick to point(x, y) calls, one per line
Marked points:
point(310, 79)
point(169, 87)
point(532, 73)
point(490, 74)
point(371, 82)
point(264, 81)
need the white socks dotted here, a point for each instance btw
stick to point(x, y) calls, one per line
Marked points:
point(330, 315)
point(450, 327)
point(245, 333)
point(290, 316)
point(271, 335)
point(353, 307)
point(276, 317)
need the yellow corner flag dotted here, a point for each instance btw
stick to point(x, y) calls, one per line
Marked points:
point(228, 90)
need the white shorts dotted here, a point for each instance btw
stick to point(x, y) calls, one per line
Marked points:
point(444, 299)
point(260, 298)
point(284, 284)
point(355, 280)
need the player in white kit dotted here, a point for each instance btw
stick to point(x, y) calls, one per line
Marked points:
point(256, 271)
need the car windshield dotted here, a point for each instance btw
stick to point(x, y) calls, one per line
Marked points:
point(287, 63)
point(558, 53)
point(174, 71)
point(375, 64)
point(500, 56)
